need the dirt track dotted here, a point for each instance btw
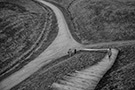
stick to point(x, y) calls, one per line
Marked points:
point(63, 42)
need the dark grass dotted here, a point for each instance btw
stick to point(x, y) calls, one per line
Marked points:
point(99, 24)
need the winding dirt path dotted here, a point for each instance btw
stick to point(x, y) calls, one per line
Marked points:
point(58, 48)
